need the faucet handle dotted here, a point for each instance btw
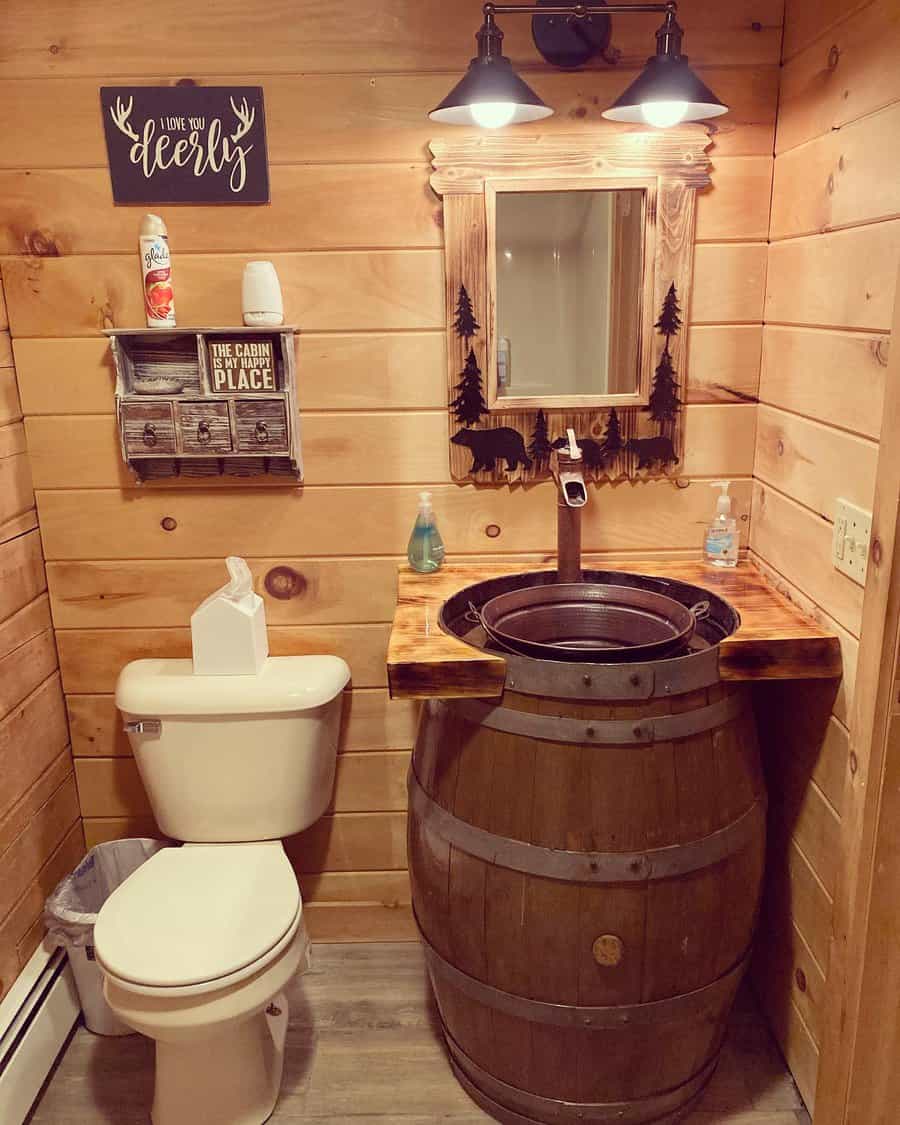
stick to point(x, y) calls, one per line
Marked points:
point(570, 475)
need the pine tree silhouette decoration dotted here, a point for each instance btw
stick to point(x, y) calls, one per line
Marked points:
point(612, 440)
point(669, 322)
point(469, 404)
point(465, 325)
point(664, 401)
point(540, 447)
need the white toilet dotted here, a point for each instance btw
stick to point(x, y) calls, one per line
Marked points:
point(197, 945)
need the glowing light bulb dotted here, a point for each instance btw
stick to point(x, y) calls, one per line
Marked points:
point(663, 114)
point(492, 115)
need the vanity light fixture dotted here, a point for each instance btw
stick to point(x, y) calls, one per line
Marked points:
point(667, 92)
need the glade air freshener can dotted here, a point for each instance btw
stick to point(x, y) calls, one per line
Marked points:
point(156, 269)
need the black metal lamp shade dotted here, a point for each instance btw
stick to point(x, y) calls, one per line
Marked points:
point(490, 83)
point(490, 94)
point(666, 92)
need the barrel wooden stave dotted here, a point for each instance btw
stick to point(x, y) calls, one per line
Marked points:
point(583, 1066)
point(562, 794)
point(532, 937)
point(590, 798)
point(564, 1062)
point(500, 926)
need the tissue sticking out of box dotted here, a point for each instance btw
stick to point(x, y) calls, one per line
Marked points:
point(228, 630)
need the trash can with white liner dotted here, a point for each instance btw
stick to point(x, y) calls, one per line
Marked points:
point(71, 911)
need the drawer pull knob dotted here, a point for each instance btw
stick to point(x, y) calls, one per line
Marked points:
point(262, 432)
point(203, 432)
point(149, 434)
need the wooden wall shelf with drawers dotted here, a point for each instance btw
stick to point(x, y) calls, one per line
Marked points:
point(183, 413)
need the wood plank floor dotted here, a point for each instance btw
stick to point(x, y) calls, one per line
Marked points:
point(364, 1049)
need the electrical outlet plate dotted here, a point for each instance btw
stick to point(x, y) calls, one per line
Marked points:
point(850, 543)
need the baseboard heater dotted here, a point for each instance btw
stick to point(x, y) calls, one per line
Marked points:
point(36, 1017)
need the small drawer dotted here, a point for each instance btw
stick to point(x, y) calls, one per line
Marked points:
point(204, 426)
point(148, 428)
point(261, 425)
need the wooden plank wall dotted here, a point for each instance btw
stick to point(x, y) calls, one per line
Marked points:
point(40, 824)
point(835, 245)
point(356, 236)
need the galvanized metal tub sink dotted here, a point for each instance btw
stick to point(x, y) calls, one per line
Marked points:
point(711, 618)
point(588, 621)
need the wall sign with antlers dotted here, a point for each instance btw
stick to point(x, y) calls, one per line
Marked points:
point(186, 144)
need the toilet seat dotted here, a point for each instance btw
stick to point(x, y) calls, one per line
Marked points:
point(199, 918)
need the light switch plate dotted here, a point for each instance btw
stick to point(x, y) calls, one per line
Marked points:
point(850, 543)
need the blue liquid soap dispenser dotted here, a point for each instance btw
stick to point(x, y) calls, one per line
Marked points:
point(426, 547)
point(722, 535)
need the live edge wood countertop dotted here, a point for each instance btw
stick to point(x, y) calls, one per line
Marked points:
point(775, 640)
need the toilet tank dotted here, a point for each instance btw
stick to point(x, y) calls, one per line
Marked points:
point(226, 759)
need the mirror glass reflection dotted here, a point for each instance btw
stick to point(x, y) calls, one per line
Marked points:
point(568, 292)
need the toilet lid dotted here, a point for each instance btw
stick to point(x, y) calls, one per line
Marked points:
point(192, 914)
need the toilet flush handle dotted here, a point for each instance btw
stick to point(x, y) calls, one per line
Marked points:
point(143, 726)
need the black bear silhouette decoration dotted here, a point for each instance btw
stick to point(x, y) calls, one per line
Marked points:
point(652, 450)
point(489, 445)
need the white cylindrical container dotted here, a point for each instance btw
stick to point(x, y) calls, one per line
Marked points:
point(261, 296)
point(156, 270)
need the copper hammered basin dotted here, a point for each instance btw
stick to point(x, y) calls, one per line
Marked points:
point(589, 621)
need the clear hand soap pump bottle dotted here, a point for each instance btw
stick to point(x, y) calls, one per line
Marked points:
point(426, 548)
point(722, 535)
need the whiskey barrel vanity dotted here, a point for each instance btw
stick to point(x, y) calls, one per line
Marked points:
point(586, 845)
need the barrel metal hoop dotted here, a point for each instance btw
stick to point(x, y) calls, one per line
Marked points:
point(655, 679)
point(602, 732)
point(585, 867)
point(510, 1117)
point(528, 1107)
point(690, 1005)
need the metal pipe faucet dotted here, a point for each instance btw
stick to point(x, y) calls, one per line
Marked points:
point(572, 498)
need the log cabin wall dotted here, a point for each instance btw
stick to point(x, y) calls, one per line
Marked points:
point(355, 233)
point(835, 245)
point(40, 824)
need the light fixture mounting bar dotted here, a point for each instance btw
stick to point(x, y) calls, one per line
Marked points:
point(576, 11)
point(570, 35)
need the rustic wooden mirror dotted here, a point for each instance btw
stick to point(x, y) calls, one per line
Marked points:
point(569, 322)
point(568, 275)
